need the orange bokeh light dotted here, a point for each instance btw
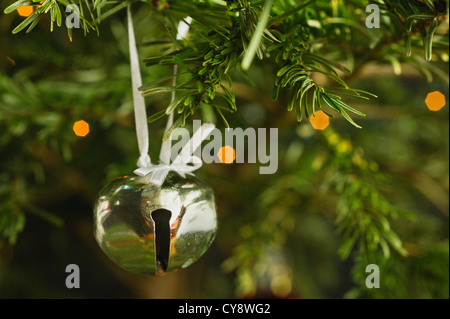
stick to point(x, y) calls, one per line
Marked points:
point(435, 101)
point(320, 121)
point(226, 154)
point(25, 11)
point(81, 128)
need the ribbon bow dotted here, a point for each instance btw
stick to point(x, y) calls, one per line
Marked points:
point(185, 162)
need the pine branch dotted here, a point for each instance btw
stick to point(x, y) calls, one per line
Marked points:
point(408, 18)
point(363, 213)
point(225, 37)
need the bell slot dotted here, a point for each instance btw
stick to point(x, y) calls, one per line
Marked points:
point(161, 217)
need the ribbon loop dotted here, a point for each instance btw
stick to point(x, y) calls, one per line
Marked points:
point(185, 162)
point(140, 113)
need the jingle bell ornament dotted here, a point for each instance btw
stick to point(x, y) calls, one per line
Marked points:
point(149, 229)
point(161, 218)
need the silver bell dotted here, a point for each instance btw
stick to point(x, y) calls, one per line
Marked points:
point(148, 229)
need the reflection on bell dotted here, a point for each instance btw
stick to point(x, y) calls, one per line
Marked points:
point(148, 229)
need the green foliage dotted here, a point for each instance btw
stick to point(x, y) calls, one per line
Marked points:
point(407, 18)
point(407, 277)
point(229, 33)
point(363, 213)
point(13, 222)
point(330, 206)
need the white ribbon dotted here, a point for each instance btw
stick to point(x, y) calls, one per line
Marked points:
point(185, 162)
point(140, 114)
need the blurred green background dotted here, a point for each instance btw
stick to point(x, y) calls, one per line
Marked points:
point(278, 234)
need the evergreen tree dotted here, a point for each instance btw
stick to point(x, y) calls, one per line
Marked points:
point(371, 188)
